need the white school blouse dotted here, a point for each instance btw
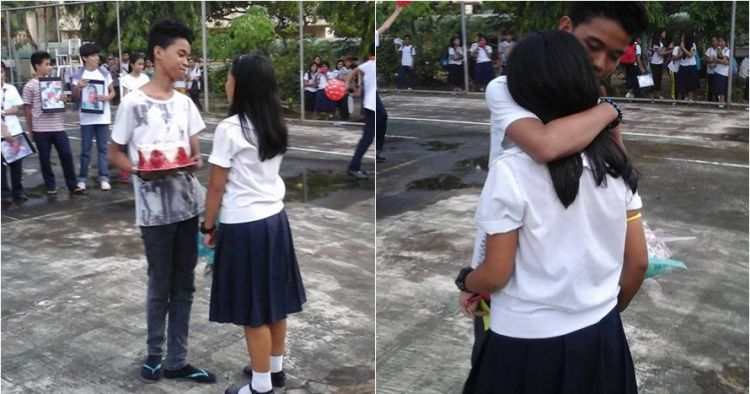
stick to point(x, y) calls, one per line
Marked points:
point(254, 189)
point(568, 261)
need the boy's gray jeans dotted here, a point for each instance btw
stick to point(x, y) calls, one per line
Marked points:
point(172, 253)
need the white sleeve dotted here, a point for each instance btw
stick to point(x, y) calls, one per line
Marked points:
point(12, 97)
point(377, 38)
point(633, 200)
point(502, 204)
point(122, 129)
point(489, 49)
point(107, 83)
point(503, 109)
point(223, 149)
point(413, 51)
point(195, 120)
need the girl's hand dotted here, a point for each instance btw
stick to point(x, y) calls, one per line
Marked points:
point(469, 309)
point(198, 162)
point(209, 239)
point(102, 98)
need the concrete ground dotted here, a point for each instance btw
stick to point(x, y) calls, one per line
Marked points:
point(688, 330)
point(73, 282)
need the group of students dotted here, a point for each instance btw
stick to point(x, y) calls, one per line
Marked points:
point(682, 60)
point(256, 278)
point(316, 79)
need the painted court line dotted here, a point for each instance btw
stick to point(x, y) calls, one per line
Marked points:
point(715, 163)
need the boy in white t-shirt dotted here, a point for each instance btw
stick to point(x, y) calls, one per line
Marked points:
point(167, 203)
point(94, 125)
point(407, 54)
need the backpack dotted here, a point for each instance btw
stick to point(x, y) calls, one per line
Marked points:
point(444, 61)
point(629, 56)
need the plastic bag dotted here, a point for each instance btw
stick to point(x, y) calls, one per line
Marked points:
point(659, 255)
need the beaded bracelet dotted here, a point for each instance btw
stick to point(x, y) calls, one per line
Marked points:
point(617, 120)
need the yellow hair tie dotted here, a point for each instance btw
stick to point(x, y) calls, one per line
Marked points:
point(634, 217)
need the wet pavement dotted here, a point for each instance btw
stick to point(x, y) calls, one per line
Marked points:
point(73, 281)
point(688, 330)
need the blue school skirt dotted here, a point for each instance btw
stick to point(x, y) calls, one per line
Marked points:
point(323, 103)
point(720, 84)
point(484, 73)
point(593, 360)
point(256, 279)
point(688, 79)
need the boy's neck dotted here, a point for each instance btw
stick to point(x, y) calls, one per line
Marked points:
point(160, 86)
point(38, 75)
point(90, 67)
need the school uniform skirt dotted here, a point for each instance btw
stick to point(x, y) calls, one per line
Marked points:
point(309, 101)
point(256, 279)
point(484, 73)
point(323, 103)
point(688, 79)
point(720, 84)
point(593, 360)
point(456, 75)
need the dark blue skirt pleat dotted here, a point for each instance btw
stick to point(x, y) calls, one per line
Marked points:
point(593, 360)
point(256, 278)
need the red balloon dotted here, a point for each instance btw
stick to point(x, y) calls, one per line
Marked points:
point(403, 3)
point(335, 89)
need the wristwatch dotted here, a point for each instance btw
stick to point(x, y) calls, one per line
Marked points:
point(205, 230)
point(461, 278)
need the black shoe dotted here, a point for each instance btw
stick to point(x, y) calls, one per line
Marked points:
point(21, 197)
point(190, 373)
point(235, 389)
point(379, 158)
point(78, 191)
point(278, 379)
point(151, 370)
point(357, 174)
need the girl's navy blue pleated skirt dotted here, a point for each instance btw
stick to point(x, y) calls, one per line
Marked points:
point(323, 103)
point(484, 73)
point(256, 279)
point(688, 79)
point(593, 360)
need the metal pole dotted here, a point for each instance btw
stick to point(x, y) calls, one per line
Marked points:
point(301, 61)
point(119, 43)
point(10, 48)
point(463, 40)
point(57, 24)
point(731, 53)
point(204, 44)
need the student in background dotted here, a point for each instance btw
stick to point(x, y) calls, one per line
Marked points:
point(137, 76)
point(688, 68)
point(310, 81)
point(12, 105)
point(484, 73)
point(324, 105)
point(455, 63)
point(94, 125)
point(709, 61)
point(407, 55)
point(47, 129)
point(195, 76)
point(504, 48)
point(723, 62)
point(658, 52)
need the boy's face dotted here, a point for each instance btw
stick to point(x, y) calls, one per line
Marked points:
point(125, 57)
point(721, 42)
point(173, 60)
point(43, 68)
point(407, 40)
point(348, 63)
point(604, 39)
point(714, 41)
point(91, 60)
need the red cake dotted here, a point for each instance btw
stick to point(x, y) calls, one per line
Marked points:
point(164, 156)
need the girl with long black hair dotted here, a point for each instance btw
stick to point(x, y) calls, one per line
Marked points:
point(556, 237)
point(456, 63)
point(256, 279)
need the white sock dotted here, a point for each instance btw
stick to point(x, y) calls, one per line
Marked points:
point(245, 390)
point(277, 363)
point(262, 381)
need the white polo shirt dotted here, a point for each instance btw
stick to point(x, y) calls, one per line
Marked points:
point(723, 69)
point(407, 55)
point(689, 61)
point(711, 55)
point(254, 189)
point(10, 98)
point(455, 52)
point(483, 53)
point(568, 261)
point(655, 58)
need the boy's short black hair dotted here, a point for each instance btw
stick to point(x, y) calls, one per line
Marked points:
point(631, 15)
point(88, 49)
point(407, 36)
point(38, 57)
point(164, 32)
